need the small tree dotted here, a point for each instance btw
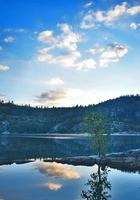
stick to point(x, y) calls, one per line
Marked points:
point(98, 127)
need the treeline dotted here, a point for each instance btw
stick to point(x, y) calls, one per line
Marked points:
point(123, 112)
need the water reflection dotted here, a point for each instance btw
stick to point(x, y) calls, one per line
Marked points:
point(4, 140)
point(41, 181)
point(57, 170)
point(52, 186)
point(99, 188)
point(26, 148)
point(1, 198)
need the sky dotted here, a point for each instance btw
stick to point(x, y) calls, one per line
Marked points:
point(69, 52)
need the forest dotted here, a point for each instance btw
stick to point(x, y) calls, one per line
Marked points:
point(123, 113)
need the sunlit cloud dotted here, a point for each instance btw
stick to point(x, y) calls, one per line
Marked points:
point(4, 68)
point(9, 39)
point(57, 170)
point(55, 81)
point(51, 186)
point(66, 97)
point(52, 96)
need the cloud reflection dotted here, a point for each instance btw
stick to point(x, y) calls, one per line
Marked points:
point(52, 186)
point(57, 170)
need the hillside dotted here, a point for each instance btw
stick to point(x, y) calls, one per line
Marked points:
point(123, 112)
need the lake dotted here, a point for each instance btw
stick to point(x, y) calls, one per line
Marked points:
point(55, 181)
point(59, 145)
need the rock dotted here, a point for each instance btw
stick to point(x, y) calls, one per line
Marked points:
point(129, 160)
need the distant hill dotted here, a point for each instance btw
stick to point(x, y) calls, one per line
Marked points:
point(123, 112)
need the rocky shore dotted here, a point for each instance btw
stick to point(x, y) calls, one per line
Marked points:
point(127, 161)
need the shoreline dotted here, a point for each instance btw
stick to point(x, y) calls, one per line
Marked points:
point(125, 161)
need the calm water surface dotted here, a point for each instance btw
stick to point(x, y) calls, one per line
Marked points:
point(40, 180)
point(53, 181)
point(59, 145)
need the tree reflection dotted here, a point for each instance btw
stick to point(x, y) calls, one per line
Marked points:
point(99, 187)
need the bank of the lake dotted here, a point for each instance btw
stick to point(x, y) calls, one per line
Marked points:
point(129, 160)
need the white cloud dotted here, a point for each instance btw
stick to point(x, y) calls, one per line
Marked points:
point(67, 41)
point(134, 25)
point(96, 50)
point(87, 5)
point(46, 37)
point(133, 10)
point(112, 54)
point(112, 14)
point(44, 55)
point(86, 64)
point(9, 39)
point(88, 21)
point(55, 81)
point(108, 17)
point(66, 60)
point(3, 68)
point(69, 60)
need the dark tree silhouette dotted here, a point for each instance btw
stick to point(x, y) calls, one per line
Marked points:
point(99, 188)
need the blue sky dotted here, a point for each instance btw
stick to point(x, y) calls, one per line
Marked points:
point(67, 52)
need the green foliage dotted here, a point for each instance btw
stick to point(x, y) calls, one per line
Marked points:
point(98, 127)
